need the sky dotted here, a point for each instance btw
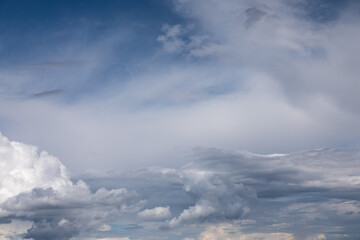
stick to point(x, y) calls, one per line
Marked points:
point(179, 119)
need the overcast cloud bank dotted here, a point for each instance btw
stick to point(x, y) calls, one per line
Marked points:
point(317, 191)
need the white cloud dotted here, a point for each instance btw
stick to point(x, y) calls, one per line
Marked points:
point(23, 168)
point(157, 213)
point(36, 187)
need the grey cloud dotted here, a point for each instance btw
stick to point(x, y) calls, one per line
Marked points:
point(172, 38)
point(47, 93)
point(63, 217)
point(296, 189)
point(253, 15)
point(217, 197)
point(317, 191)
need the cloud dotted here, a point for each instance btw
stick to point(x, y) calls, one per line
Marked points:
point(221, 80)
point(253, 15)
point(157, 213)
point(14, 229)
point(105, 227)
point(125, 238)
point(179, 39)
point(23, 168)
point(266, 76)
point(217, 198)
point(231, 232)
point(284, 34)
point(172, 38)
point(315, 190)
point(229, 186)
point(308, 184)
point(36, 187)
point(261, 195)
point(47, 93)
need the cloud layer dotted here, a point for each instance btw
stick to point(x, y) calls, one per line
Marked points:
point(260, 195)
point(304, 195)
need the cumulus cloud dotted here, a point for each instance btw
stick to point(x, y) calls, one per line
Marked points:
point(36, 188)
point(157, 213)
point(23, 168)
point(217, 198)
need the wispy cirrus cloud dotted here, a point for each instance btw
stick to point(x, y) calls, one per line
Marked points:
point(209, 79)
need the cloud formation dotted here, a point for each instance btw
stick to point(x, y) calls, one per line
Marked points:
point(217, 197)
point(157, 213)
point(35, 187)
point(260, 195)
point(265, 76)
point(209, 78)
point(230, 232)
point(316, 190)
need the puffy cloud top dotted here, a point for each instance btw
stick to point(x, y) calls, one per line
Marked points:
point(22, 168)
point(36, 187)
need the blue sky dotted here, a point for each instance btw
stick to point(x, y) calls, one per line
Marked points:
point(189, 120)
